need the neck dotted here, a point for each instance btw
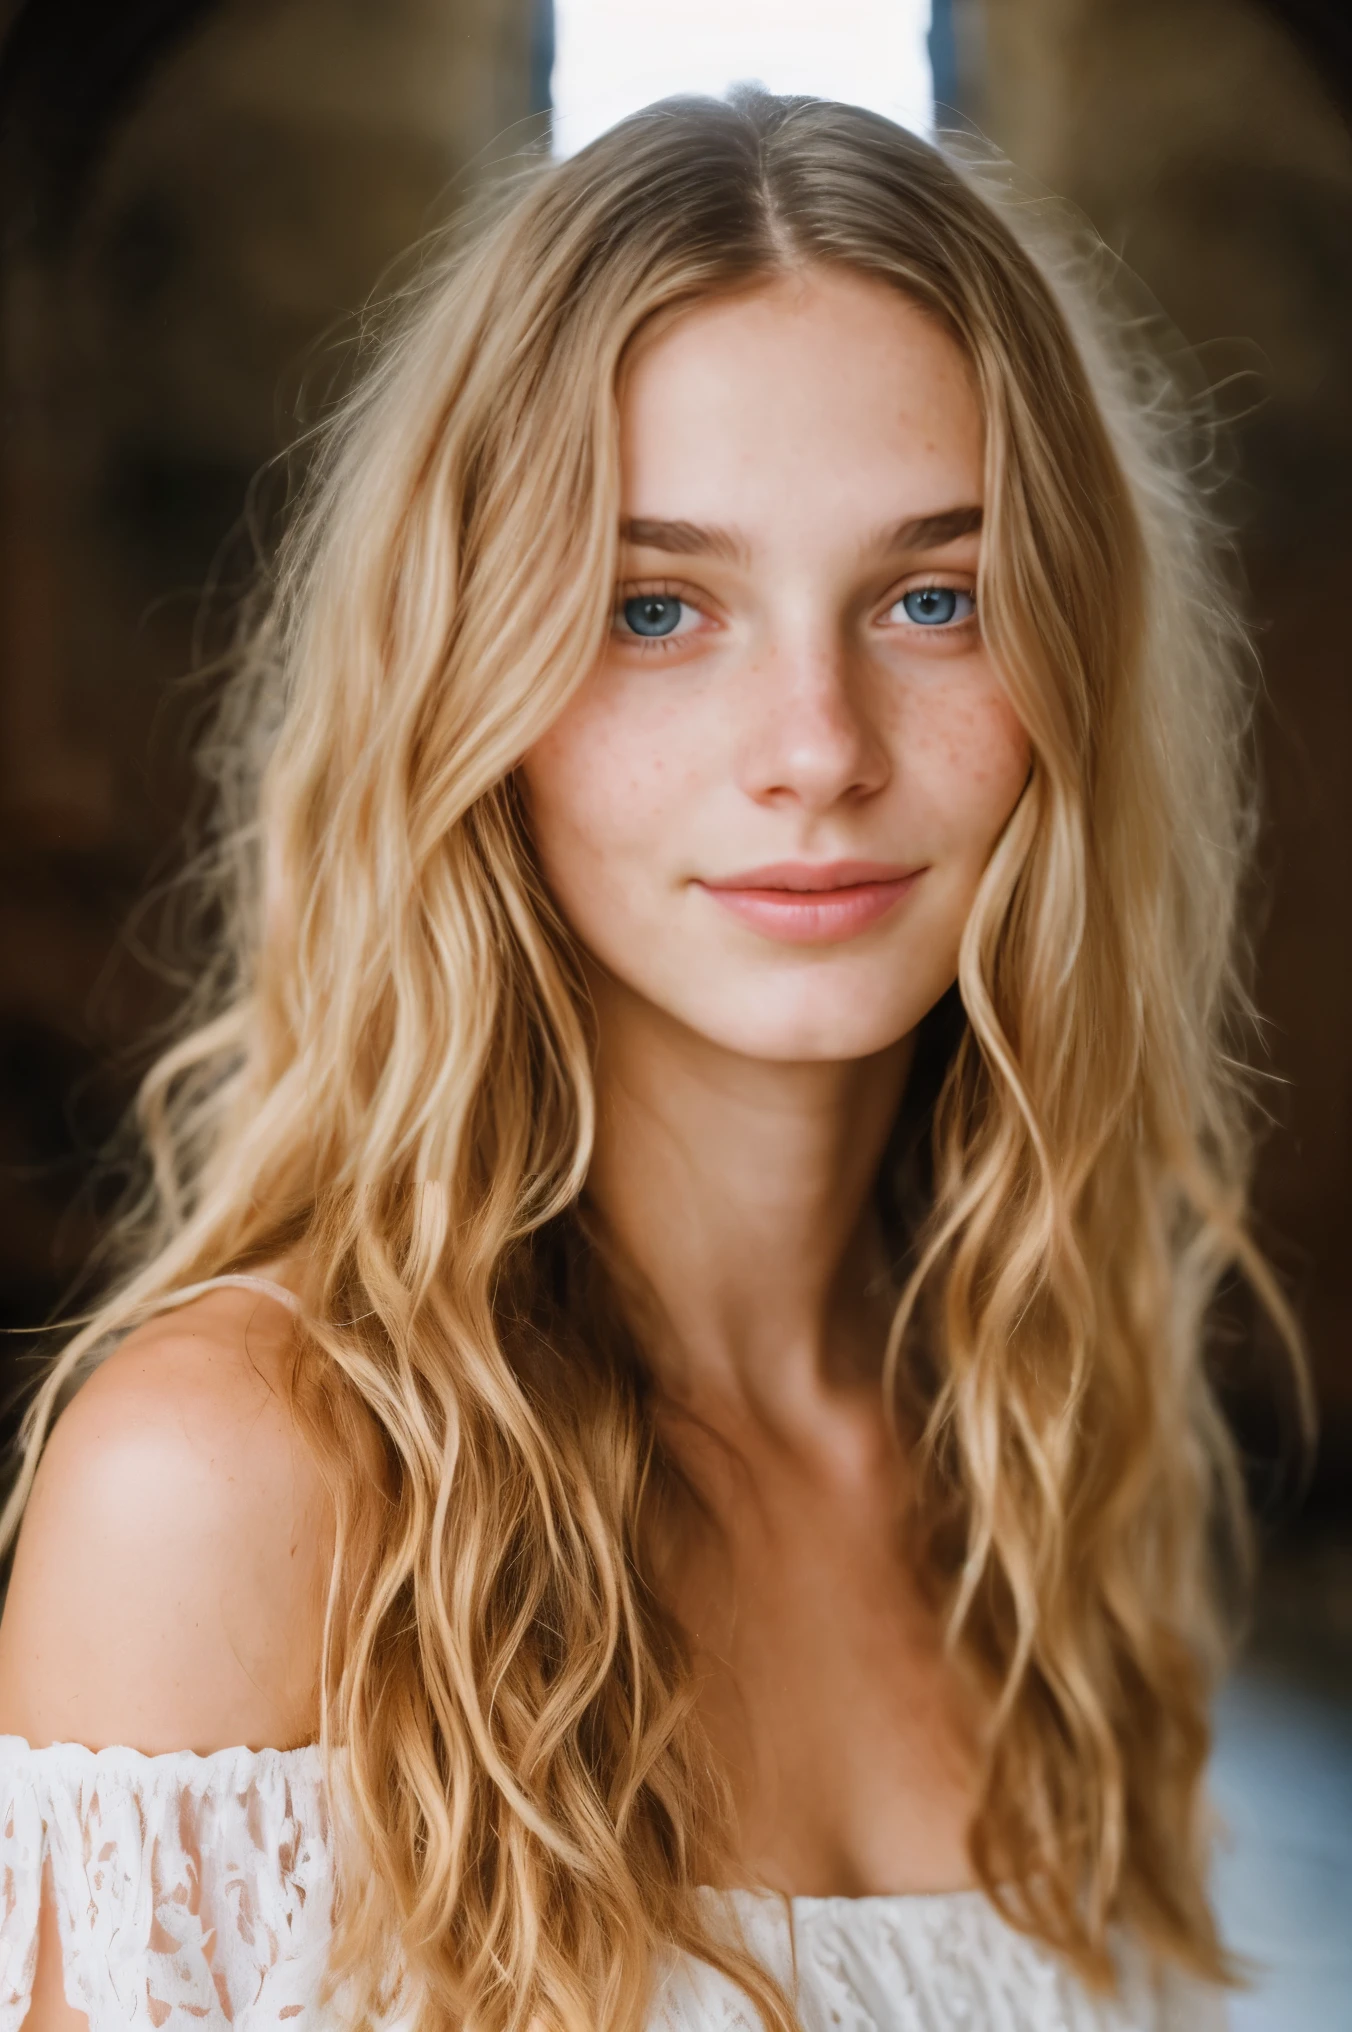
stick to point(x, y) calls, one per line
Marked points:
point(740, 1191)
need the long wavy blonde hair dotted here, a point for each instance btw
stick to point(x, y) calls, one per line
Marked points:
point(394, 1077)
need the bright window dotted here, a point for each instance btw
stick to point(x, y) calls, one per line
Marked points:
point(612, 56)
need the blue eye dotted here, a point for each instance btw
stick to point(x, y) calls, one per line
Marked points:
point(652, 614)
point(937, 606)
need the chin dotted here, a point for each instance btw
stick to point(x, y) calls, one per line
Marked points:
point(819, 1033)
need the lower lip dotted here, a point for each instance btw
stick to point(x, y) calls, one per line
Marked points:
point(814, 916)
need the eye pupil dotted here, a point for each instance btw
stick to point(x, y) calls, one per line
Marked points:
point(652, 613)
point(933, 604)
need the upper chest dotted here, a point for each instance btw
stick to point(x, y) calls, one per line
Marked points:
point(824, 1682)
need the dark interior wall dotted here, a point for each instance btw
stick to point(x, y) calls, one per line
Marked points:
point(195, 202)
point(197, 199)
point(1208, 141)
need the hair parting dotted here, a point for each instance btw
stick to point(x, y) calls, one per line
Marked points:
point(391, 1065)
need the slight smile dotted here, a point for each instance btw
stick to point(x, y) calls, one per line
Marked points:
point(813, 903)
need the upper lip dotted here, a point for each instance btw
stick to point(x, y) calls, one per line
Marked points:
point(811, 875)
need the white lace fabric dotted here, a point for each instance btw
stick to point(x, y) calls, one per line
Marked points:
point(195, 1893)
point(190, 1891)
point(944, 1962)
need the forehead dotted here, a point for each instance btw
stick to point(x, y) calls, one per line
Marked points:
point(823, 393)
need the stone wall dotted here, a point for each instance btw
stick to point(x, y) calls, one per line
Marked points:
point(170, 308)
point(165, 320)
point(1212, 150)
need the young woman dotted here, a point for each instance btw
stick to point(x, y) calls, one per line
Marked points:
point(653, 1464)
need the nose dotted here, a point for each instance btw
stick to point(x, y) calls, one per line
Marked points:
point(811, 736)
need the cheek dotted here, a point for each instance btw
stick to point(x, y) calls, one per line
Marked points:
point(600, 790)
point(968, 763)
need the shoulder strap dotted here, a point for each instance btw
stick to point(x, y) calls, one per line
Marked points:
point(266, 1287)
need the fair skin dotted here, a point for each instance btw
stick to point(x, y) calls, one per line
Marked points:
point(802, 479)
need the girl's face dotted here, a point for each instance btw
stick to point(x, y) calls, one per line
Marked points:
point(767, 809)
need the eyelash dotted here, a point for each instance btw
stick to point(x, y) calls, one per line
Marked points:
point(665, 589)
point(933, 585)
point(648, 645)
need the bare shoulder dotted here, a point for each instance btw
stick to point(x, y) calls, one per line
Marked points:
point(169, 1577)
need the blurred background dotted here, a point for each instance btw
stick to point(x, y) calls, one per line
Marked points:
point(196, 199)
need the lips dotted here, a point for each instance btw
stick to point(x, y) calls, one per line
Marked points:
point(806, 903)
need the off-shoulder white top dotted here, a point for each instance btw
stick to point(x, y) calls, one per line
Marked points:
point(195, 1893)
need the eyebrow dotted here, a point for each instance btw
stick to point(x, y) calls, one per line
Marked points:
point(932, 532)
point(695, 539)
point(684, 539)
